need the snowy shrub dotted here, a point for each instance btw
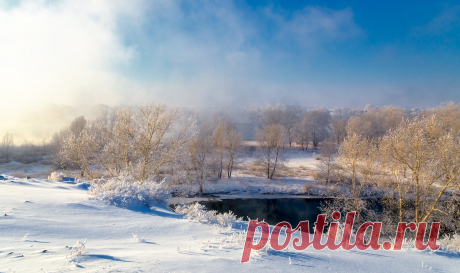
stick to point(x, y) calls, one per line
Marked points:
point(236, 238)
point(56, 176)
point(220, 229)
point(198, 212)
point(138, 240)
point(226, 219)
point(451, 243)
point(78, 249)
point(124, 191)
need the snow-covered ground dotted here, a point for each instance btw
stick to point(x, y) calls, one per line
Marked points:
point(294, 178)
point(33, 170)
point(56, 215)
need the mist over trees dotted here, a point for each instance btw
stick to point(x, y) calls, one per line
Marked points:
point(6, 146)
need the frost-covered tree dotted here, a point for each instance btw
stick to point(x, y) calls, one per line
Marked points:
point(271, 141)
point(339, 126)
point(78, 125)
point(133, 142)
point(200, 152)
point(78, 150)
point(326, 164)
point(115, 140)
point(219, 140)
point(291, 116)
point(302, 135)
point(376, 122)
point(270, 116)
point(233, 146)
point(358, 159)
point(155, 142)
point(424, 162)
point(449, 114)
point(317, 121)
point(6, 146)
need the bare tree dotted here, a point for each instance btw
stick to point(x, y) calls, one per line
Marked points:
point(290, 119)
point(7, 145)
point(326, 163)
point(271, 140)
point(271, 116)
point(233, 145)
point(316, 121)
point(302, 135)
point(338, 126)
point(219, 139)
point(200, 151)
point(153, 146)
point(358, 157)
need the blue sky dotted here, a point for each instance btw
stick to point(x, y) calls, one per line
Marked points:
point(318, 53)
point(232, 53)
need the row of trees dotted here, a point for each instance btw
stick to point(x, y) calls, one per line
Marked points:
point(6, 147)
point(413, 164)
point(138, 143)
point(27, 152)
point(213, 149)
point(148, 143)
point(279, 126)
point(131, 141)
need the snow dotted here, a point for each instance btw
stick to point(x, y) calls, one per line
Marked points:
point(294, 179)
point(57, 215)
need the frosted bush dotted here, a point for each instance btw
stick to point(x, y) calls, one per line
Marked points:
point(226, 219)
point(137, 239)
point(237, 238)
point(451, 243)
point(198, 212)
point(78, 249)
point(220, 229)
point(125, 191)
point(56, 176)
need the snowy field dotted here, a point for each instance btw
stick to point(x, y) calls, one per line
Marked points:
point(55, 215)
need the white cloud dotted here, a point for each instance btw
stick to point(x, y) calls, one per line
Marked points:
point(62, 52)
